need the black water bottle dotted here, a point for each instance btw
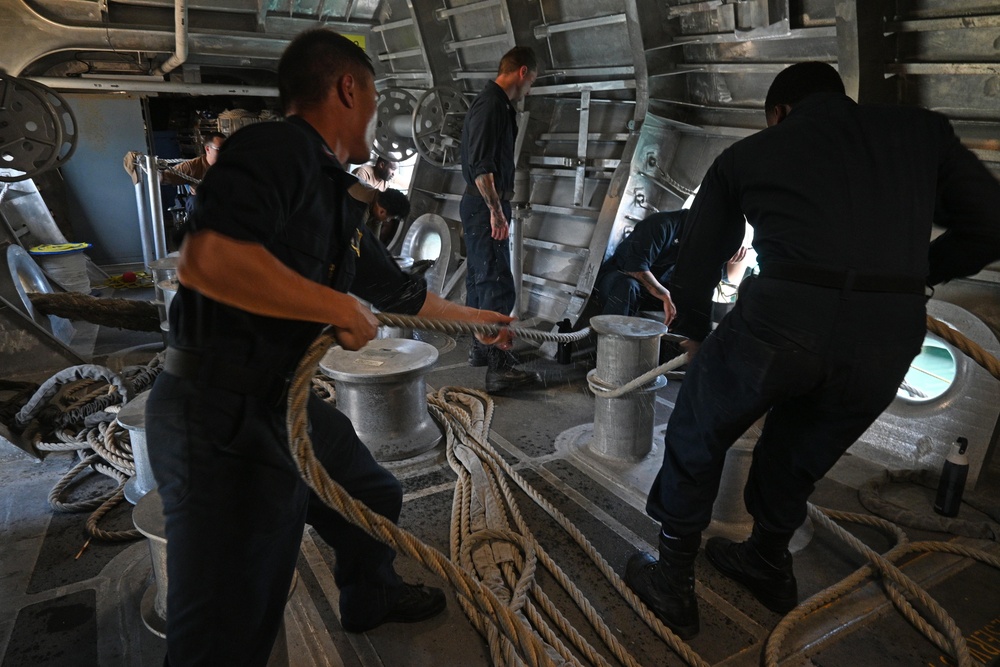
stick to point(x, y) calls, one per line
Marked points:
point(952, 484)
point(564, 351)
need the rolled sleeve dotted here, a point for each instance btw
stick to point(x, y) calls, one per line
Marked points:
point(969, 209)
point(483, 129)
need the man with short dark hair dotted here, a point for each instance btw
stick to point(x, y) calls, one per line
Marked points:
point(634, 278)
point(195, 169)
point(488, 163)
point(276, 245)
point(842, 198)
point(379, 174)
point(383, 210)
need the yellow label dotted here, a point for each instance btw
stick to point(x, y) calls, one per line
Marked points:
point(357, 39)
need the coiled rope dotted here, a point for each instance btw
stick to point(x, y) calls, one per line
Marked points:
point(483, 474)
point(81, 415)
point(500, 617)
point(498, 605)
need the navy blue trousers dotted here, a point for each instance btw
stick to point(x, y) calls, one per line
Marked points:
point(621, 294)
point(235, 509)
point(821, 364)
point(489, 282)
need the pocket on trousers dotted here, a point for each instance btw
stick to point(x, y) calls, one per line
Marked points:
point(168, 438)
point(220, 419)
point(770, 368)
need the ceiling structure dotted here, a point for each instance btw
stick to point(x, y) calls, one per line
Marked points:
point(635, 99)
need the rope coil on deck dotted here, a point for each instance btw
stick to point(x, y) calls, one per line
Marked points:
point(509, 639)
point(78, 407)
point(498, 606)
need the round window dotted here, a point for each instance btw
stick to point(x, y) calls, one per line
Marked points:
point(931, 373)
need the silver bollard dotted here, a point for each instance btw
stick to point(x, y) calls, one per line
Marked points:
point(381, 388)
point(148, 519)
point(729, 514)
point(132, 417)
point(627, 347)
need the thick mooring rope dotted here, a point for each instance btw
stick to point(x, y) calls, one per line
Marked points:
point(454, 327)
point(499, 607)
point(483, 474)
point(504, 616)
point(527, 645)
point(80, 414)
point(950, 641)
point(969, 347)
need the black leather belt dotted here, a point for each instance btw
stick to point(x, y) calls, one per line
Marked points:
point(218, 374)
point(844, 280)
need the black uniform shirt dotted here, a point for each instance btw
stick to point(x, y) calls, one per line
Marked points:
point(488, 139)
point(278, 184)
point(651, 246)
point(844, 186)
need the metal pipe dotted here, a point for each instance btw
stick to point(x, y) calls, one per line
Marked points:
point(146, 85)
point(520, 211)
point(132, 417)
point(155, 212)
point(180, 53)
point(142, 207)
point(627, 347)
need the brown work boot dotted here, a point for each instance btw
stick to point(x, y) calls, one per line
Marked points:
point(772, 581)
point(666, 586)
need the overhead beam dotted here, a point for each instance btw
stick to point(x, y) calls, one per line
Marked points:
point(861, 49)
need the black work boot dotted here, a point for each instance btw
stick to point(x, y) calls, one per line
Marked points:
point(502, 373)
point(406, 603)
point(762, 564)
point(666, 586)
point(478, 355)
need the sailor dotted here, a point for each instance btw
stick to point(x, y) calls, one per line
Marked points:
point(270, 259)
point(195, 168)
point(842, 198)
point(488, 162)
point(379, 174)
point(634, 278)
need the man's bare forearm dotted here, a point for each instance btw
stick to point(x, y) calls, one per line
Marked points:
point(650, 283)
point(487, 188)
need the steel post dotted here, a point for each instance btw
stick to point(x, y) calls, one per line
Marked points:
point(381, 388)
point(148, 519)
point(627, 347)
point(132, 417)
point(155, 212)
